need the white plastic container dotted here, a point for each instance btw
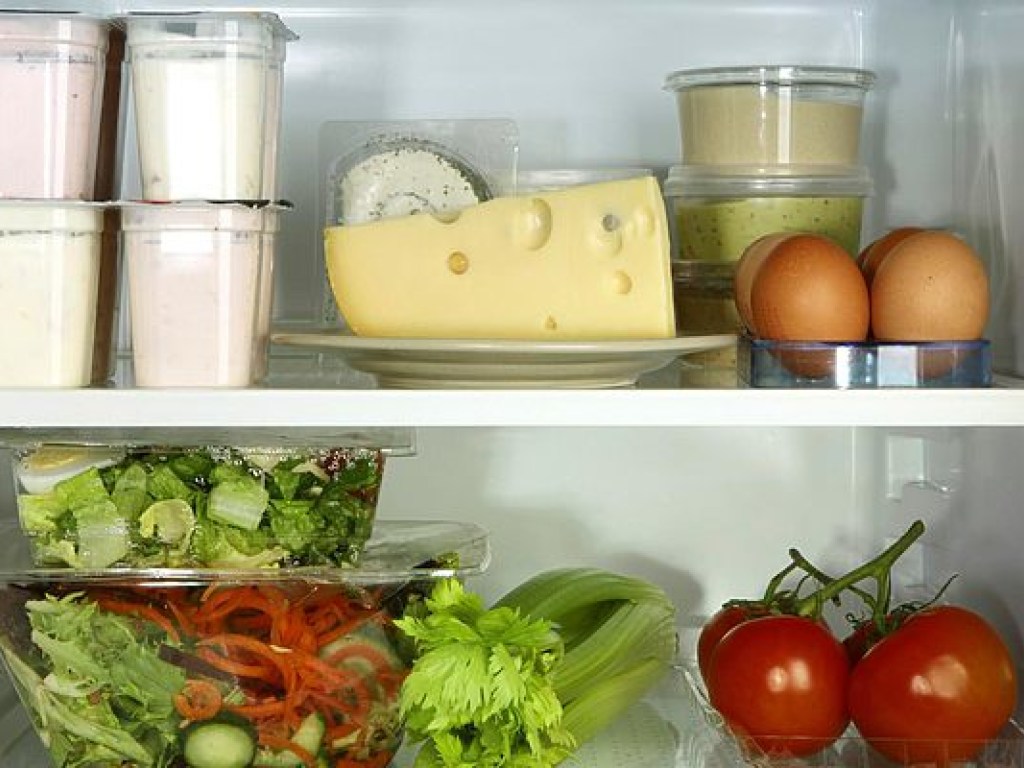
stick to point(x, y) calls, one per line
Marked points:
point(52, 69)
point(208, 90)
point(792, 116)
point(49, 272)
point(193, 292)
point(265, 298)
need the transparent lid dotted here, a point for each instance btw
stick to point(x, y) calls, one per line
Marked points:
point(187, 28)
point(20, 216)
point(557, 178)
point(256, 216)
point(49, 27)
point(733, 182)
point(771, 75)
point(397, 552)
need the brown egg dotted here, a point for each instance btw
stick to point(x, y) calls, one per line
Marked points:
point(809, 289)
point(875, 251)
point(931, 287)
point(746, 268)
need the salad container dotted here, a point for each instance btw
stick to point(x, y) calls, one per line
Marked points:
point(204, 667)
point(88, 507)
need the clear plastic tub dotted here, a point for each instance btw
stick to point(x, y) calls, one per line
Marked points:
point(228, 69)
point(194, 272)
point(804, 118)
point(49, 274)
point(172, 660)
point(865, 365)
point(265, 299)
point(715, 215)
point(547, 179)
point(52, 69)
point(101, 506)
point(703, 298)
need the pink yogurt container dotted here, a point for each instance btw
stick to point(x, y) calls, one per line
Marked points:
point(52, 69)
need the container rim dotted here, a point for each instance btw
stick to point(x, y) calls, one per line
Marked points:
point(278, 29)
point(83, 28)
point(771, 181)
point(201, 215)
point(771, 74)
point(19, 215)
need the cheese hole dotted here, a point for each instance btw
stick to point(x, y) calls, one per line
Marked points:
point(550, 324)
point(611, 222)
point(446, 217)
point(643, 220)
point(622, 283)
point(458, 263)
point(533, 224)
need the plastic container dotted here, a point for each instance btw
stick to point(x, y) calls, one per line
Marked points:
point(52, 69)
point(548, 179)
point(49, 273)
point(265, 298)
point(704, 304)
point(716, 215)
point(803, 118)
point(163, 655)
point(101, 506)
point(194, 291)
point(207, 90)
point(866, 365)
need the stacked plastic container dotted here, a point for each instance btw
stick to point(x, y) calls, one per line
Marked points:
point(764, 149)
point(57, 269)
point(199, 248)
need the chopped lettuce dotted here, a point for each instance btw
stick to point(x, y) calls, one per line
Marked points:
point(208, 508)
point(99, 692)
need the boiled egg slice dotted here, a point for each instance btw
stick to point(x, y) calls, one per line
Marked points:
point(39, 470)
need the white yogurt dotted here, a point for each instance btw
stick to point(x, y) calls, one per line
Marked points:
point(207, 104)
point(193, 288)
point(49, 272)
point(52, 69)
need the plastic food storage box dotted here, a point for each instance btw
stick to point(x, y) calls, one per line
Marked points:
point(50, 255)
point(865, 365)
point(196, 291)
point(264, 667)
point(90, 507)
point(715, 215)
point(800, 119)
point(52, 71)
point(227, 67)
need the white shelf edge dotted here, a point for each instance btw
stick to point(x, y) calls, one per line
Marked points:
point(325, 408)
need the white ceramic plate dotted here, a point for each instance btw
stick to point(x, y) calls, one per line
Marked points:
point(486, 364)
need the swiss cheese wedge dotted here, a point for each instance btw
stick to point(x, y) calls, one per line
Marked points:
point(581, 263)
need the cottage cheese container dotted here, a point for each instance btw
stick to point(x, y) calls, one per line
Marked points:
point(52, 69)
point(194, 292)
point(49, 273)
point(207, 90)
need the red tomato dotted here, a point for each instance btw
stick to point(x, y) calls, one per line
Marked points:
point(711, 634)
point(934, 690)
point(780, 682)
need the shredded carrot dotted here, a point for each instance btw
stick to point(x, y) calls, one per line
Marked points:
point(308, 759)
point(198, 700)
point(147, 612)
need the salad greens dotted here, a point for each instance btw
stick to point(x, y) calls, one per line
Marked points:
point(208, 508)
point(107, 697)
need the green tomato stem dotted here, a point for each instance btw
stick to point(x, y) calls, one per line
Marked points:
point(879, 569)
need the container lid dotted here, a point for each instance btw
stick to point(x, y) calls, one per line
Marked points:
point(186, 28)
point(742, 181)
point(257, 216)
point(771, 74)
point(397, 552)
point(51, 27)
point(20, 216)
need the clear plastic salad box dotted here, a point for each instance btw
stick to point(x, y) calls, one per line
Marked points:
point(161, 666)
point(89, 507)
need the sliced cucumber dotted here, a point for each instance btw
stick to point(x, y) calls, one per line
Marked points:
point(219, 743)
point(309, 735)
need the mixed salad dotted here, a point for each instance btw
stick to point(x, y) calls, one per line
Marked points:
point(277, 675)
point(218, 508)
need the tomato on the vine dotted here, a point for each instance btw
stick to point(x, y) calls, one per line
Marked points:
point(934, 690)
point(728, 616)
point(781, 683)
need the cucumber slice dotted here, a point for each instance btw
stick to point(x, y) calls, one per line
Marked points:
point(219, 743)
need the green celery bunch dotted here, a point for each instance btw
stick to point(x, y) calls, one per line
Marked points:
point(545, 669)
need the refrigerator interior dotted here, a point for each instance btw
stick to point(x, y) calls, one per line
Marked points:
point(706, 512)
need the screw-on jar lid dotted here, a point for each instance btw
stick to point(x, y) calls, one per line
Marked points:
point(771, 74)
